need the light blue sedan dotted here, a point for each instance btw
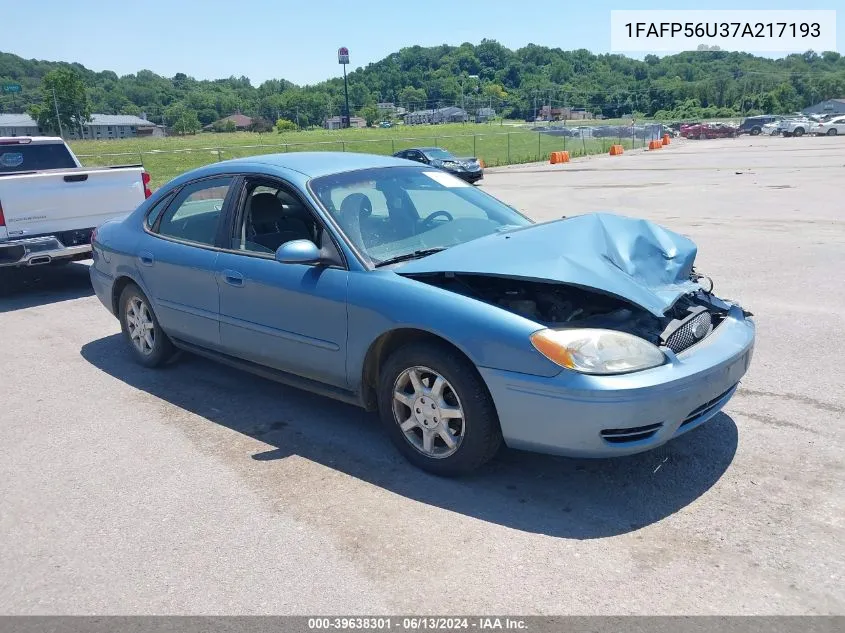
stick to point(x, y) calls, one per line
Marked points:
point(404, 290)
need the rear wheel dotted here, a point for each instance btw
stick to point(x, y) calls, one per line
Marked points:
point(755, 131)
point(141, 328)
point(436, 409)
point(831, 131)
point(799, 131)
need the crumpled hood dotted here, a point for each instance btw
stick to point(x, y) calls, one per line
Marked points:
point(630, 258)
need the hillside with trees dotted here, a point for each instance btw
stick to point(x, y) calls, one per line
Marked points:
point(515, 83)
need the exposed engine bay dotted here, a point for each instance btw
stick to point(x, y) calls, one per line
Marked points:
point(691, 319)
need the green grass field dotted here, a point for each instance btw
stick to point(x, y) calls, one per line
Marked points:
point(168, 157)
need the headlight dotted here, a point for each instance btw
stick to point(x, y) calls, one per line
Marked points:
point(596, 351)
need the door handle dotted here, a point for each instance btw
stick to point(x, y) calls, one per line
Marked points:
point(233, 277)
point(146, 258)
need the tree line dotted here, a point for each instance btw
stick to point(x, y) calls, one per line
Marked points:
point(515, 83)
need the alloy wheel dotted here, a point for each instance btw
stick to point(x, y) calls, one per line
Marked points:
point(139, 321)
point(428, 411)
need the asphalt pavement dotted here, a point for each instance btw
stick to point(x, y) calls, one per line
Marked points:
point(198, 489)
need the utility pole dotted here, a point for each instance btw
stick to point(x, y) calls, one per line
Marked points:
point(58, 118)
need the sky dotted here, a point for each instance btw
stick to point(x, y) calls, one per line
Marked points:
point(298, 41)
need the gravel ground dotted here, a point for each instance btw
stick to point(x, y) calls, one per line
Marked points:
point(201, 490)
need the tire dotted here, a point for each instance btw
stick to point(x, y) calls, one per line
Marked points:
point(162, 348)
point(831, 131)
point(476, 433)
point(755, 131)
point(799, 131)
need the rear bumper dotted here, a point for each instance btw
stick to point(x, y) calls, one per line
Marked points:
point(39, 250)
point(604, 416)
point(103, 286)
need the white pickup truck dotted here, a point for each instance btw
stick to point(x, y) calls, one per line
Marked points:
point(50, 203)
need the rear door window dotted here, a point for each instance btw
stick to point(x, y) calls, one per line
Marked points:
point(195, 214)
point(34, 157)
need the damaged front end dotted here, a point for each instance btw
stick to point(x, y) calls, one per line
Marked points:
point(690, 320)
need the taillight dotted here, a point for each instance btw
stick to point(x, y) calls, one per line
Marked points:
point(2, 217)
point(145, 178)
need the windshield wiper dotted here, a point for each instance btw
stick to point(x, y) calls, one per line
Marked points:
point(415, 255)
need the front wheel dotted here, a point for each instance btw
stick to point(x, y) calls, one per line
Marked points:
point(799, 131)
point(148, 342)
point(831, 131)
point(437, 411)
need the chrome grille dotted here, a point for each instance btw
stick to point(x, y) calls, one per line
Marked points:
point(691, 332)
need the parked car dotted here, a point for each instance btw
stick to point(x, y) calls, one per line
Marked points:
point(467, 169)
point(771, 129)
point(831, 127)
point(404, 290)
point(709, 131)
point(50, 203)
point(754, 125)
point(798, 126)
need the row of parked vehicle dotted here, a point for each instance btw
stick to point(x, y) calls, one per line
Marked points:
point(799, 125)
point(769, 125)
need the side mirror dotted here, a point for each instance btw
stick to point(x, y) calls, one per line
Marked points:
point(298, 252)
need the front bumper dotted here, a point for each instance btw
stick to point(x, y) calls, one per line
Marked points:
point(39, 250)
point(469, 176)
point(604, 416)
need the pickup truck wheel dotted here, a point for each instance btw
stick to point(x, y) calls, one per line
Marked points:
point(141, 329)
point(436, 409)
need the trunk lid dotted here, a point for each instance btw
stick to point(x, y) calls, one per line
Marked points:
point(53, 201)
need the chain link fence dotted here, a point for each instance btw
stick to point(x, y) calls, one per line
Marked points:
point(493, 148)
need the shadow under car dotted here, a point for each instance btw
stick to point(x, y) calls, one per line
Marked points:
point(555, 496)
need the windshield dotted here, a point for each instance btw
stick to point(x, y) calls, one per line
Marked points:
point(391, 212)
point(442, 154)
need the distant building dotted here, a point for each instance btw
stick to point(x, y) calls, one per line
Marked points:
point(450, 114)
point(829, 106)
point(101, 126)
point(241, 121)
point(18, 125)
point(386, 109)
point(547, 113)
point(484, 114)
point(335, 122)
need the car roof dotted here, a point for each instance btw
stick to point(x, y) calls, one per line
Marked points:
point(316, 164)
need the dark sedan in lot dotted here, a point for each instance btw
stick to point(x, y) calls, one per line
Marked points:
point(468, 169)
